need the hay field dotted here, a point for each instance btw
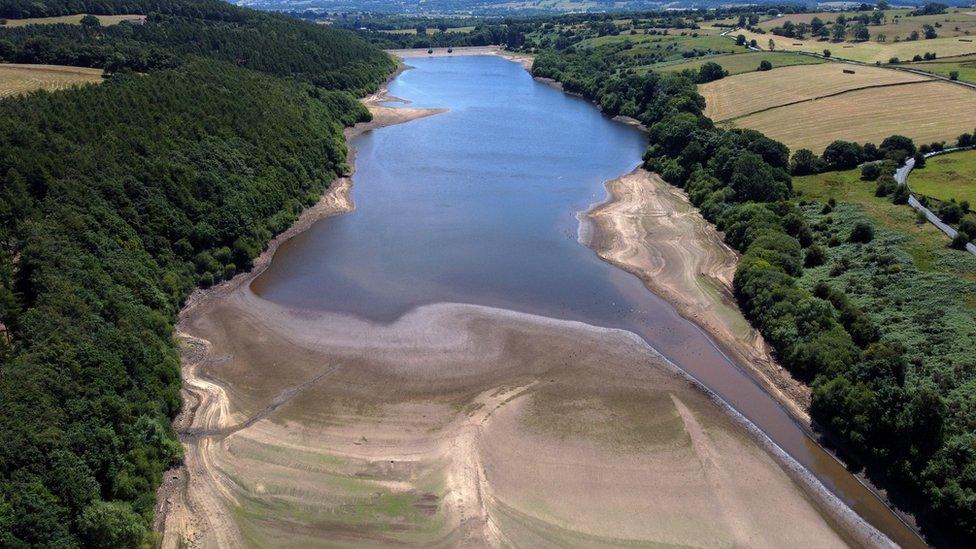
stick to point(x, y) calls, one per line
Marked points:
point(16, 79)
point(738, 63)
point(926, 112)
point(947, 176)
point(737, 96)
point(869, 52)
point(105, 20)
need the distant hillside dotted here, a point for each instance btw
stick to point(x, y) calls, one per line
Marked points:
point(531, 7)
point(484, 7)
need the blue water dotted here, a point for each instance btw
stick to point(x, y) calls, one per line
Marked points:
point(474, 205)
point(478, 205)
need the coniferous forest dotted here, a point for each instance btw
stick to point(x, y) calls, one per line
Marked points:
point(212, 133)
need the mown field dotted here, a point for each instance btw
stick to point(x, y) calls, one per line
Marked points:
point(924, 111)
point(870, 51)
point(105, 20)
point(746, 61)
point(737, 96)
point(18, 79)
point(946, 177)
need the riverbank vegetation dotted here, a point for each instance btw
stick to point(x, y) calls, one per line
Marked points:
point(892, 394)
point(117, 200)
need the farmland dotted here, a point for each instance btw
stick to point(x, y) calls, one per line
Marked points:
point(738, 63)
point(965, 67)
point(105, 20)
point(946, 177)
point(870, 115)
point(898, 24)
point(868, 52)
point(430, 31)
point(734, 97)
point(18, 79)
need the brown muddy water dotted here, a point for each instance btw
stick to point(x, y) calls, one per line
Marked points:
point(478, 205)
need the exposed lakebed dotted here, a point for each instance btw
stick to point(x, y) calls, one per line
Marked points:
point(479, 206)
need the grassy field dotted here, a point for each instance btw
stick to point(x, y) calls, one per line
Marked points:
point(105, 20)
point(948, 176)
point(966, 67)
point(924, 243)
point(898, 24)
point(920, 111)
point(736, 96)
point(738, 63)
point(868, 52)
point(18, 79)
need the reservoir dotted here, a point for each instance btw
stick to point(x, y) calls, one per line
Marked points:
point(479, 205)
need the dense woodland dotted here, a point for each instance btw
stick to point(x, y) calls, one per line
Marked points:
point(899, 400)
point(116, 200)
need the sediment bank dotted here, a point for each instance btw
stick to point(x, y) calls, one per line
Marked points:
point(650, 229)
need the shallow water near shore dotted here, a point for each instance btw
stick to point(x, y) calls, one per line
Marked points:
point(478, 205)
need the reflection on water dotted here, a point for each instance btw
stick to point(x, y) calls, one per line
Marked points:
point(478, 205)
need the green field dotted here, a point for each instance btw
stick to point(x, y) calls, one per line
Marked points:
point(898, 23)
point(948, 176)
point(923, 241)
point(870, 51)
point(965, 66)
point(738, 63)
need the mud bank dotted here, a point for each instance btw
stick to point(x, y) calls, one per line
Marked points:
point(650, 229)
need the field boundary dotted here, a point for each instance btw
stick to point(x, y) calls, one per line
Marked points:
point(901, 176)
point(835, 94)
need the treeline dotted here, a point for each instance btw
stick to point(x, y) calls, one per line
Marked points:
point(117, 200)
point(865, 390)
point(174, 32)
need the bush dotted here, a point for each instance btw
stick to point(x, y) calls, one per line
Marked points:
point(765, 65)
point(919, 160)
point(826, 53)
point(862, 233)
point(870, 171)
point(815, 256)
point(959, 241)
point(804, 162)
point(842, 155)
point(886, 185)
point(901, 194)
point(950, 212)
point(953, 75)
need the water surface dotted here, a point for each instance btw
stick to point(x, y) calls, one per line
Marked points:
point(478, 205)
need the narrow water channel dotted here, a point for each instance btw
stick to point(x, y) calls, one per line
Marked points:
point(478, 205)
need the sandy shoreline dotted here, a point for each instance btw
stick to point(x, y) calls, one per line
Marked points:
point(650, 229)
point(461, 418)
